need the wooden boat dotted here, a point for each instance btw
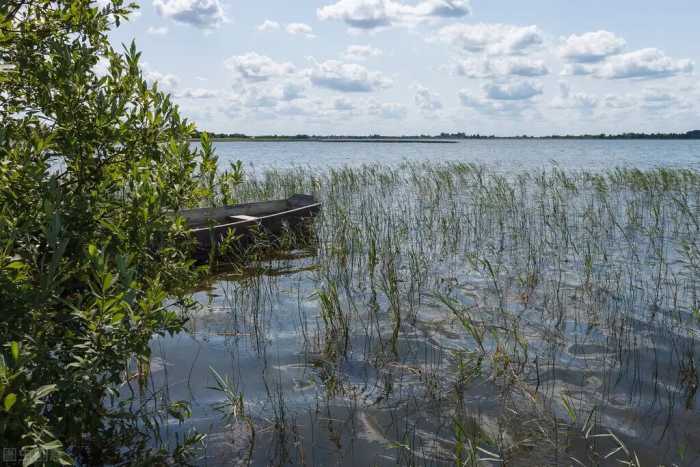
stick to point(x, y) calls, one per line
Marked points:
point(210, 226)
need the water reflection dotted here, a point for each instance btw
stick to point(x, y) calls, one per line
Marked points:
point(450, 316)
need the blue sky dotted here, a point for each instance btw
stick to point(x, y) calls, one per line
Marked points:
point(424, 66)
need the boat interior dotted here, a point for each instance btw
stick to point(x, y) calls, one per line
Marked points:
point(243, 212)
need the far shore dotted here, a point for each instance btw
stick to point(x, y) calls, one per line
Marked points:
point(443, 138)
point(331, 140)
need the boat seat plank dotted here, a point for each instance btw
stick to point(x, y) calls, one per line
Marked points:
point(242, 217)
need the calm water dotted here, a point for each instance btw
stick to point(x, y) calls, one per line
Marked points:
point(502, 155)
point(624, 351)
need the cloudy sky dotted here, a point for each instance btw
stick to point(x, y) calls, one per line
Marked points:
point(424, 66)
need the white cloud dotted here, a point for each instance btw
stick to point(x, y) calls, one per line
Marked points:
point(618, 102)
point(568, 100)
point(373, 14)
point(485, 105)
point(522, 67)
point(290, 91)
point(268, 25)
point(489, 68)
point(655, 99)
point(166, 82)
point(347, 77)
point(471, 68)
point(425, 100)
point(502, 99)
point(389, 110)
point(197, 93)
point(361, 52)
point(640, 64)
point(203, 14)
point(513, 91)
point(157, 31)
point(343, 104)
point(472, 100)
point(255, 98)
point(493, 39)
point(591, 47)
point(645, 63)
point(577, 69)
point(256, 68)
point(300, 29)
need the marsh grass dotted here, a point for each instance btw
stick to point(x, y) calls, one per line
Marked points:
point(537, 318)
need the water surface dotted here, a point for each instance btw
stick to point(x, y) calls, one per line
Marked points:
point(500, 154)
point(573, 311)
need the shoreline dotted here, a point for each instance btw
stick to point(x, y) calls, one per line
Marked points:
point(422, 141)
point(330, 140)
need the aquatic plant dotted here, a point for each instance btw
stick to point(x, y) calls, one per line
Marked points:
point(533, 317)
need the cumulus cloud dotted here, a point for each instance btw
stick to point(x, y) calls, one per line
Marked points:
point(502, 98)
point(485, 105)
point(577, 69)
point(513, 91)
point(203, 14)
point(490, 68)
point(645, 63)
point(361, 52)
point(268, 25)
point(157, 31)
point(290, 91)
point(300, 29)
point(257, 68)
point(600, 54)
point(197, 93)
point(493, 39)
point(568, 100)
point(254, 98)
point(591, 47)
point(618, 102)
point(469, 99)
point(343, 104)
point(640, 64)
point(347, 77)
point(656, 99)
point(374, 14)
point(426, 100)
point(166, 82)
point(389, 110)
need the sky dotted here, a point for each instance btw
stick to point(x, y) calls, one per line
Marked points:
point(406, 67)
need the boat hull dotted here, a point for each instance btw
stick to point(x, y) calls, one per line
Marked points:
point(233, 229)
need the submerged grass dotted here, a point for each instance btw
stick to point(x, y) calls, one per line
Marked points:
point(536, 318)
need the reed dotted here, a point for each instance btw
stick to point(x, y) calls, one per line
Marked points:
point(551, 311)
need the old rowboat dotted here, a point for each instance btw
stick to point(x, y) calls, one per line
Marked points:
point(268, 219)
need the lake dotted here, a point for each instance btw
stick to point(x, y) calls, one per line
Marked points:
point(449, 313)
point(502, 155)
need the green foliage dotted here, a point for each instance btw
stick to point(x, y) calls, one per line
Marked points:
point(92, 165)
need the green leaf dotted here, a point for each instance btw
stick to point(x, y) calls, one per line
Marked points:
point(107, 281)
point(63, 458)
point(56, 444)
point(15, 265)
point(44, 391)
point(32, 457)
point(569, 408)
point(9, 401)
point(14, 349)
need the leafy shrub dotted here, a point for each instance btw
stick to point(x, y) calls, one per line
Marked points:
point(92, 165)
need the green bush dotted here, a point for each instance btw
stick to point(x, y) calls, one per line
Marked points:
point(92, 165)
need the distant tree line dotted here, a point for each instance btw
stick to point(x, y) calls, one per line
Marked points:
point(694, 134)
